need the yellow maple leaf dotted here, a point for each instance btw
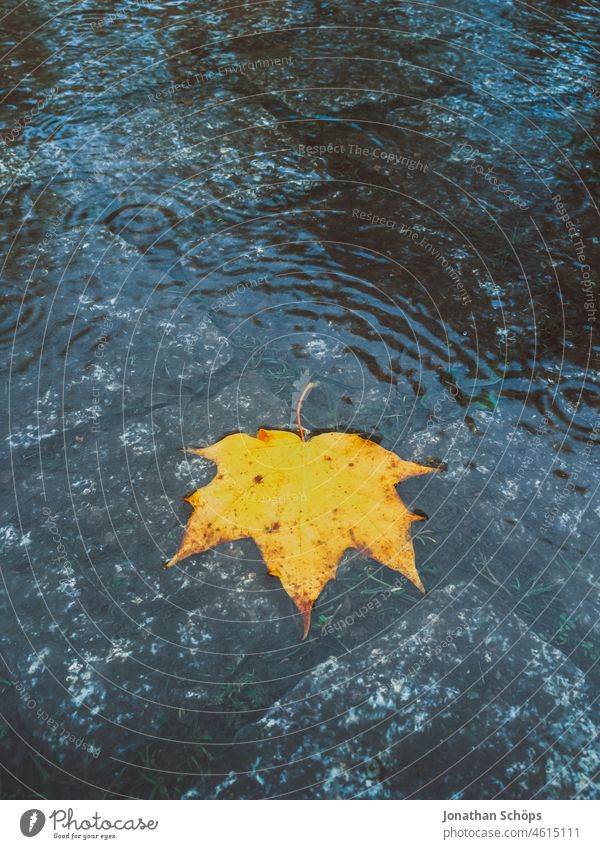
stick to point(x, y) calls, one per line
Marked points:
point(304, 503)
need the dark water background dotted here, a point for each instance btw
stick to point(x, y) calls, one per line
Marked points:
point(205, 206)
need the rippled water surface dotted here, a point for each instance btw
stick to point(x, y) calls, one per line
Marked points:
point(207, 206)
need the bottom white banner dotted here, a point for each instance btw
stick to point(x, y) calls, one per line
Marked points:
point(293, 824)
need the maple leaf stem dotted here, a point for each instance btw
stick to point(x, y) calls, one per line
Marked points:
point(305, 392)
